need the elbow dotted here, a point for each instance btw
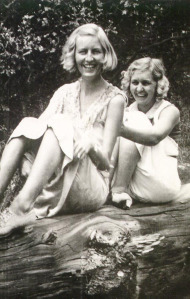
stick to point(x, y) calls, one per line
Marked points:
point(154, 140)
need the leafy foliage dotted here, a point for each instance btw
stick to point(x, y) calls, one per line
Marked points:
point(32, 34)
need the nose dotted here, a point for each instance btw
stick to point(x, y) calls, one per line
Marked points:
point(140, 87)
point(89, 56)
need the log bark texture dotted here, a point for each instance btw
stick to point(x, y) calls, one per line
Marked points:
point(140, 253)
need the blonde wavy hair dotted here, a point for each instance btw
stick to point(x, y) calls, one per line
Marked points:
point(158, 72)
point(68, 52)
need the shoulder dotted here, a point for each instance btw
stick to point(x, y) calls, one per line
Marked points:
point(63, 91)
point(117, 101)
point(115, 92)
point(116, 105)
point(67, 87)
point(171, 112)
point(175, 109)
point(170, 108)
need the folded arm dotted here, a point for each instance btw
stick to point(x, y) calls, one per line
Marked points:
point(152, 135)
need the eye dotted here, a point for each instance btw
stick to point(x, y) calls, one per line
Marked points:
point(96, 51)
point(146, 82)
point(134, 82)
point(82, 51)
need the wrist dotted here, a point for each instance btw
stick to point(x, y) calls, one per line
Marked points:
point(94, 148)
point(122, 130)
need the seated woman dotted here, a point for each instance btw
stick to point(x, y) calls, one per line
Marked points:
point(67, 150)
point(146, 155)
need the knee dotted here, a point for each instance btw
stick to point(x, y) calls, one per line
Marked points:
point(128, 148)
point(137, 119)
point(167, 194)
point(19, 143)
point(50, 136)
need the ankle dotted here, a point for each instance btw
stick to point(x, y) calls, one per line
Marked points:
point(119, 190)
point(20, 206)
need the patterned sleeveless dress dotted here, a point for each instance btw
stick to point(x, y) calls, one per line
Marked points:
point(156, 176)
point(77, 186)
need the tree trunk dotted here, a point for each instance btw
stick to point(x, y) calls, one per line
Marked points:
point(140, 253)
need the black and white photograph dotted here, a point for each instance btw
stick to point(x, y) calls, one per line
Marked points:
point(95, 149)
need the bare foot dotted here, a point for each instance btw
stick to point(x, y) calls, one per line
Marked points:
point(11, 222)
point(122, 200)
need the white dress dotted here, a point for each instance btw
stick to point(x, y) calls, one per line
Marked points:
point(76, 186)
point(156, 176)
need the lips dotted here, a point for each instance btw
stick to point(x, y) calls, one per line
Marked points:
point(89, 67)
point(140, 95)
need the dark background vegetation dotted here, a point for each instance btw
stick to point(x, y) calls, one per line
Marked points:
point(32, 33)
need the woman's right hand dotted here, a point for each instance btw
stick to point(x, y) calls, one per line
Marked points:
point(82, 147)
point(121, 130)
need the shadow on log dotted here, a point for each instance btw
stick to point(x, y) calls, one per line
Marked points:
point(115, 254)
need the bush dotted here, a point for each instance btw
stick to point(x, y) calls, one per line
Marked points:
point(33, 32)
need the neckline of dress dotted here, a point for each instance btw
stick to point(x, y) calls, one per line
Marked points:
point(91, 105)
point(151, 111)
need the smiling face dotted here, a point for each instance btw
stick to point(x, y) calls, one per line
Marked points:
point(89, 56)
point(143, 89)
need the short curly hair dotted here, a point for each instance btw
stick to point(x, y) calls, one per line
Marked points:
point(158, 72)
point(68, 53)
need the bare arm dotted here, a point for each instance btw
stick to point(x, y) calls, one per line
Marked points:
point(88, 145)
point(168, 119)
point(101, 156)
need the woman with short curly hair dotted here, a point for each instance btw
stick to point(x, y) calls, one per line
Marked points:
point(146, 155)
point(158, 73)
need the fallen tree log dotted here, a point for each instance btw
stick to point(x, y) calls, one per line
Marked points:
point(140, 253)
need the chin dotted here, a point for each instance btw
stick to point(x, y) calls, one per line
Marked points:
point(90, 76)
point(141, 102)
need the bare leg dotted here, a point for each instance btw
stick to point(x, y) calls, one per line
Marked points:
point(47, 160)
point(114, 160)
point(10, 160)
point(128, 157)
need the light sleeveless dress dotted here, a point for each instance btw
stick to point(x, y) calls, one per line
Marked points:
point(77, 185)
point(156, 176)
